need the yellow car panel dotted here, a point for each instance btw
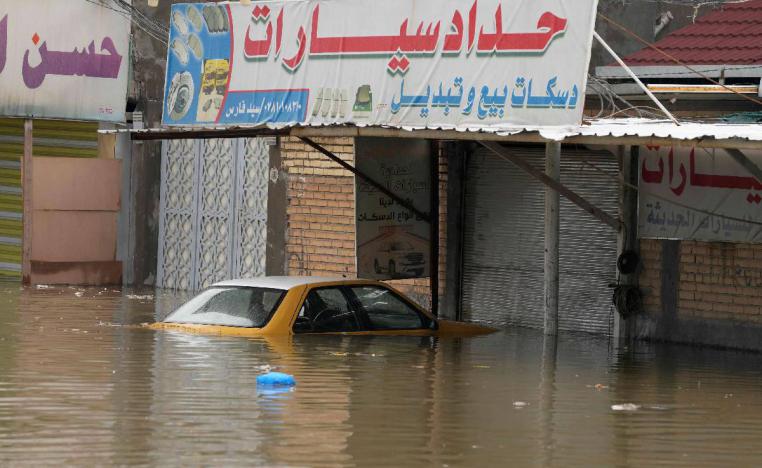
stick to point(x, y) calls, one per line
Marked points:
point(283, 318)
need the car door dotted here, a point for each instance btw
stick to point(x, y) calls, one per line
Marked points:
point(360, 309)
point(328, 310)
point(386, 312)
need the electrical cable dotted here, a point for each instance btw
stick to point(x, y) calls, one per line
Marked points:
point(675, 59)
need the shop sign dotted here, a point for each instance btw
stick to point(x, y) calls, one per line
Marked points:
point(392, 242)
point(494, 64)
point(53, 67)
point(699, 194)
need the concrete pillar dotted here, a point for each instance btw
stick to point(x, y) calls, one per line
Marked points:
point(552, 237)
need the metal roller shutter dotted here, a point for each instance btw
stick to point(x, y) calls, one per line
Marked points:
point(52, 138)
point(11, 205)
point(504, 242)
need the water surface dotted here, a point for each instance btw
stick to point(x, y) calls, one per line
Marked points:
point(81, 384)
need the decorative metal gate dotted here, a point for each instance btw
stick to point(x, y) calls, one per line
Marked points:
point(213, 223)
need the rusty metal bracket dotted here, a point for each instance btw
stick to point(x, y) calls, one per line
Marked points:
point(378, 186)
point(522, 164)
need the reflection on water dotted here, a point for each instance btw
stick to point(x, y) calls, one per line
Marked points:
point(81, 384)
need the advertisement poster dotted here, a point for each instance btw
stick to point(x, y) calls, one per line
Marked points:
point(51, 66)
point(412, 63)
point(699, 194)
point(392, 242)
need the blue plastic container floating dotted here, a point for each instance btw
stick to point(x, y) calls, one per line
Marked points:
point(276, 379)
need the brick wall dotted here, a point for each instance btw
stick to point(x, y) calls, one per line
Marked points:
point(320, 209)
point(650, 276)
point(720, 283)
point(321, 214)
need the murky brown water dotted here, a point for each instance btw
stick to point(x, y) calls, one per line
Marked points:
point(77, 387)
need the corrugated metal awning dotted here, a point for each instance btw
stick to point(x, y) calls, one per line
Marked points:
point(630, 131)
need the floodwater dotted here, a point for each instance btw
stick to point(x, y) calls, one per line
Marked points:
point(81, 385)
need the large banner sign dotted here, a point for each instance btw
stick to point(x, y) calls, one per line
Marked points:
point(699, 194)
point(63, 59)
point(392, 242)
point(404, 63)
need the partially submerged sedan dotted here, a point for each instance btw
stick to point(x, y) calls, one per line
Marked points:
point(301, 304)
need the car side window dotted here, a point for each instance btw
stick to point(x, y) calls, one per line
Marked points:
point(326, 310)
point(387, 311)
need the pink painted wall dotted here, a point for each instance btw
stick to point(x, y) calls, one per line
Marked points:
point(74, 222)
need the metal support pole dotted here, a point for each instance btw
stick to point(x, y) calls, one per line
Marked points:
point(635, 78)
point(552, 235)
point(26, 190)
point(628, 236)
point(434, 225)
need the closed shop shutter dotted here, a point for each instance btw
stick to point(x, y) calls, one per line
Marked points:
point(52, 138)
point(503, 259)
point(11, 205)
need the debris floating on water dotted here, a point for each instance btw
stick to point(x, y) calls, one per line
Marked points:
point(146, 297)
point(625, 407)
point(276, 379)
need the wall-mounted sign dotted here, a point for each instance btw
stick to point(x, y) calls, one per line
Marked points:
point(699, 194)
point(392, 242)
point(418, 63)
point(53, 67)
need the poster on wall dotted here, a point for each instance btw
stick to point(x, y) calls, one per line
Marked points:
point(53, 67)
point(392, 242)
point(499, 64)
point(699, 194)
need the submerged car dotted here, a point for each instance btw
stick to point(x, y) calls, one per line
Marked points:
point(295, 305)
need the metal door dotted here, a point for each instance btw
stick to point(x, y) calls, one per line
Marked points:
point(213, 222)
point(503, 278)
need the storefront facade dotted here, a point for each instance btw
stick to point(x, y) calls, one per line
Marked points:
point(60, 181)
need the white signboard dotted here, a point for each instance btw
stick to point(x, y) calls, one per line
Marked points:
point(392, 242)
point(699, 194)
point(418, 63)
point(63, 59)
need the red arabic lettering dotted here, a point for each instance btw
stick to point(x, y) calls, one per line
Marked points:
point(683, 174)
point(258, 48)
point(691, 177)
point(279, 33)
point(721, 181)
point(401, 42)
point(454, 42)
point(550, 24)
point(425, 40)
point(652, 177)
point(293, 63)
point(472, 25)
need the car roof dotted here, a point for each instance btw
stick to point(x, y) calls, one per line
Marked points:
point(282, 282)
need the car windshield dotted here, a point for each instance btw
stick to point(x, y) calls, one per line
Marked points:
point(229, 306)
